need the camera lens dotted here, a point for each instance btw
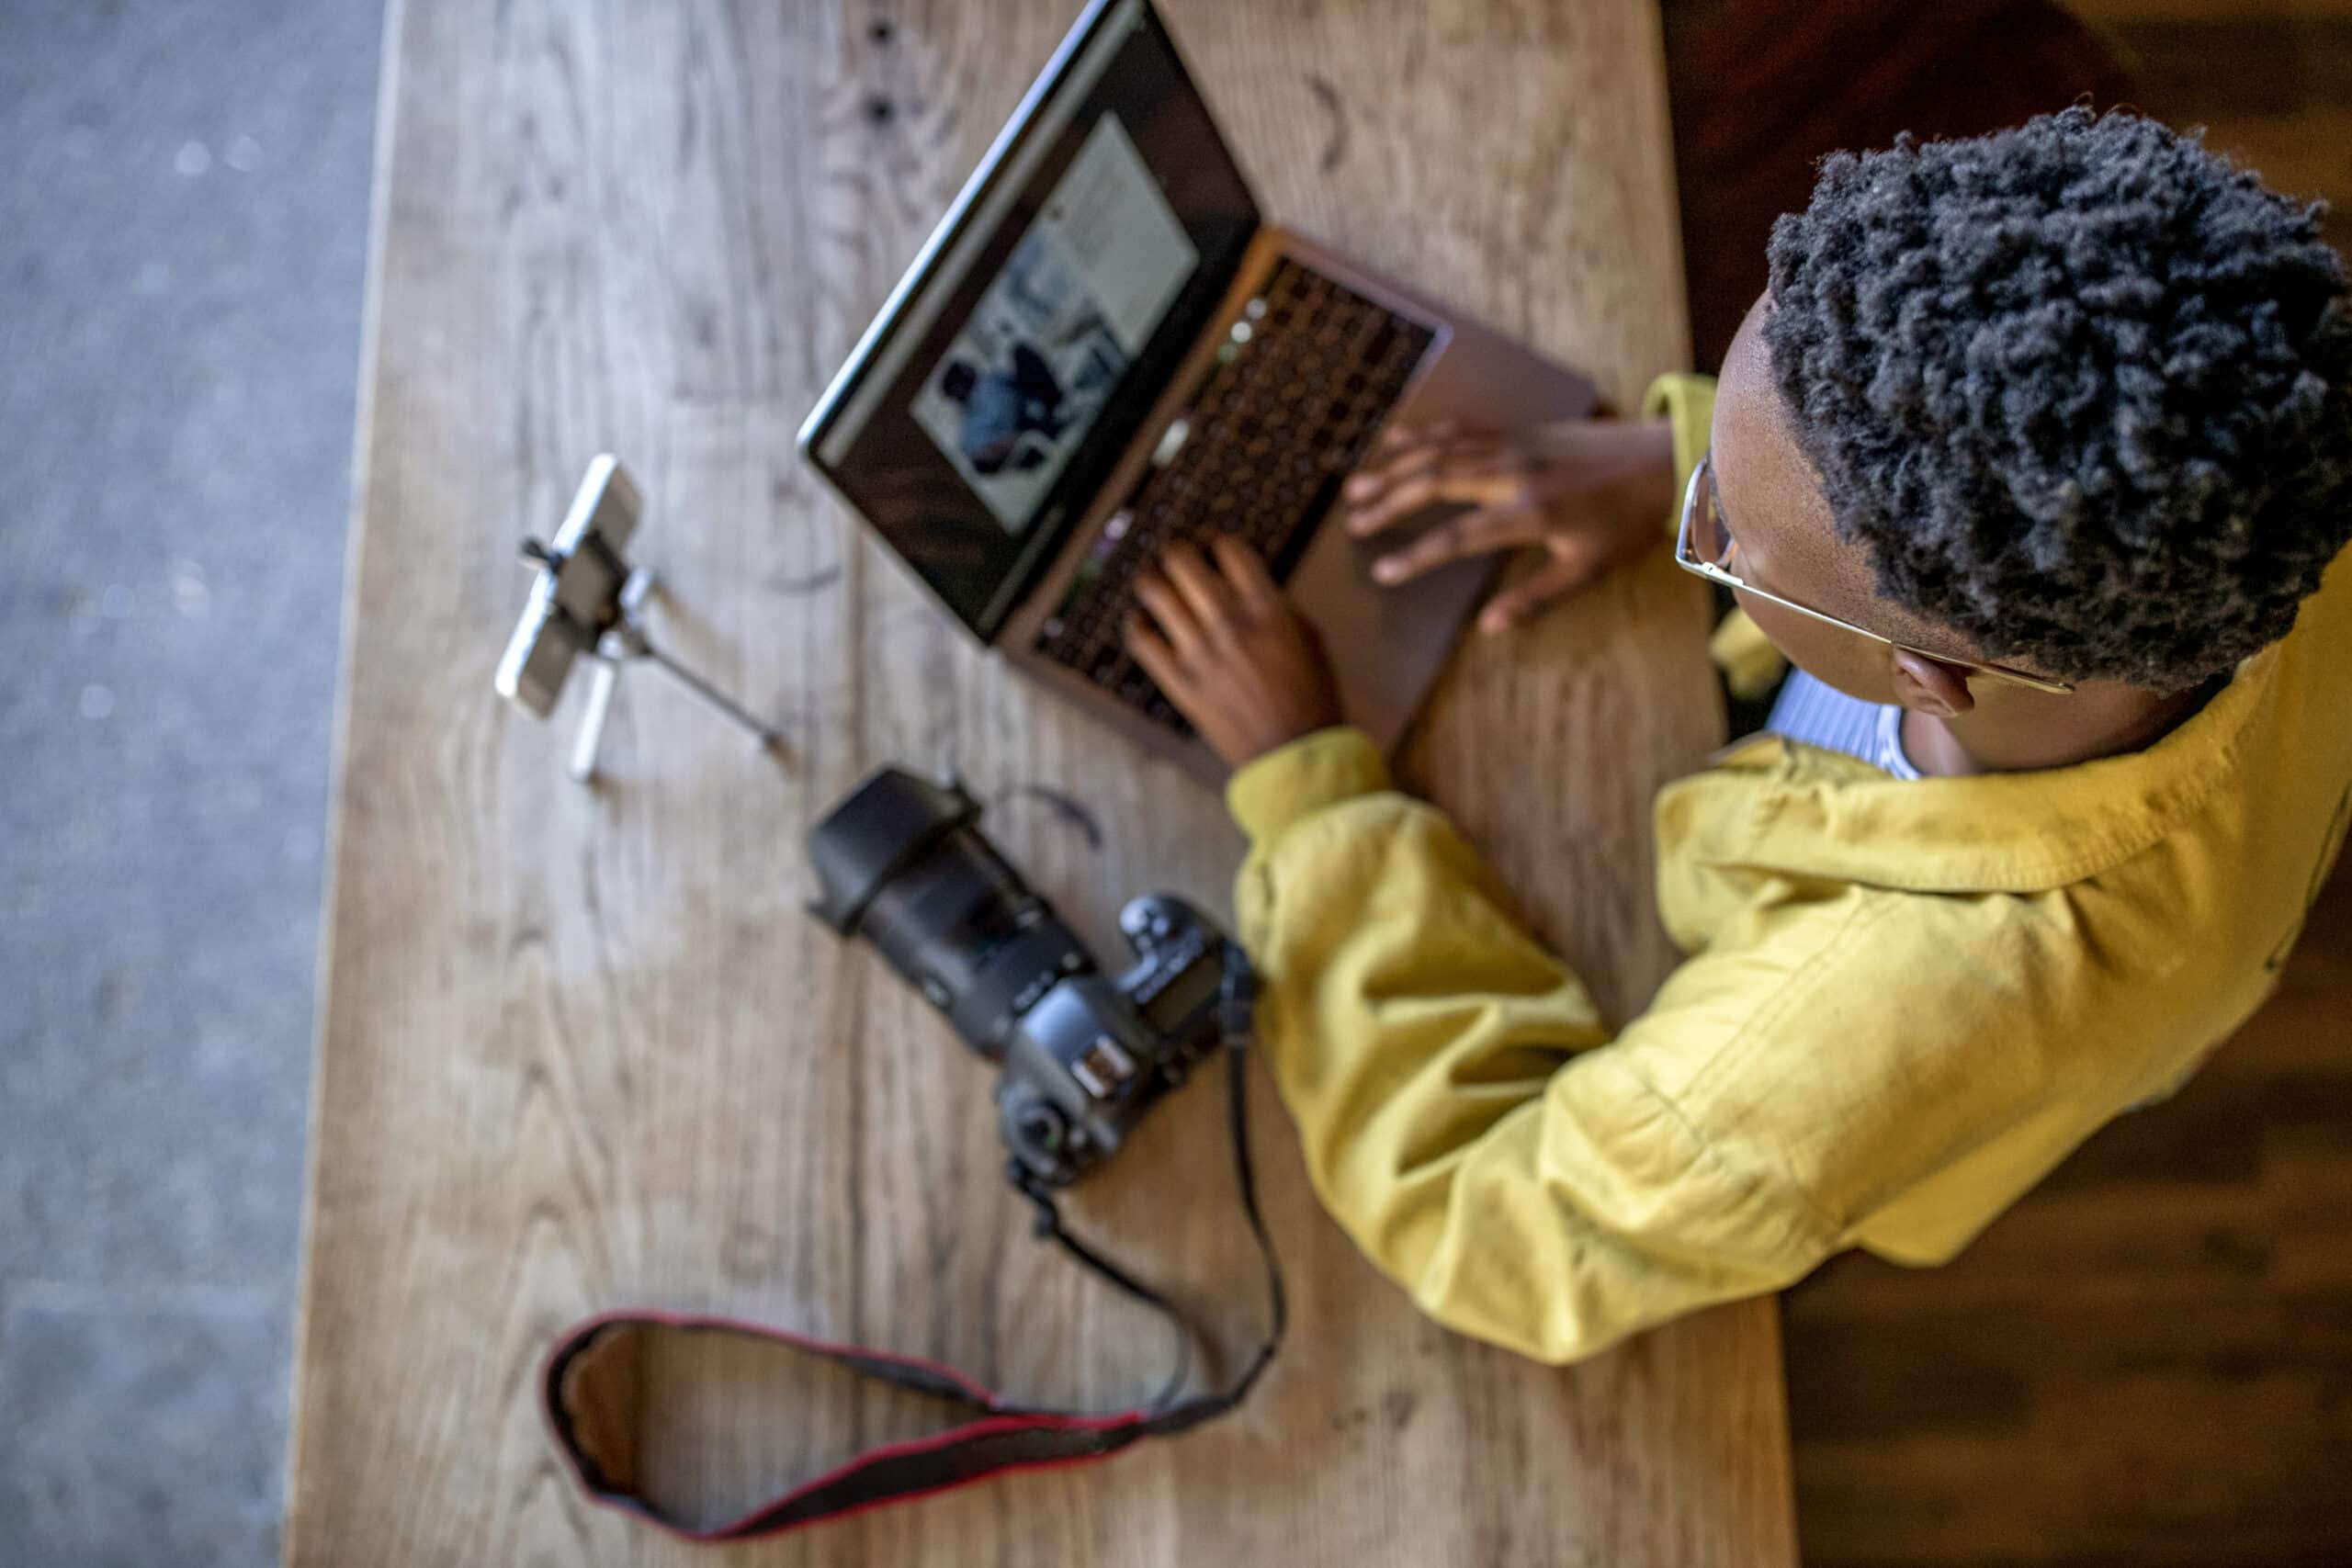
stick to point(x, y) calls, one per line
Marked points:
point(902, 864)
point(960, 925)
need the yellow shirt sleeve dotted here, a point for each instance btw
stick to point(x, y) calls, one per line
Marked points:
point(1749, 663)
point(1688, 402)
point(1460, 1117)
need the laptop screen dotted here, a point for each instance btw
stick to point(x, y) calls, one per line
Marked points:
point(973, 424)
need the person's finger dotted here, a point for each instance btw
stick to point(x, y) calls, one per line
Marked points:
point(1394, 465)
point(1377, 474)
point(1558, 575)
point(1475, 533)
point(1153, 653)
point(1204, 593)
point(1246, 570)
point(1478, 479)
point(1399, 447)
point(1415, 432)
point(1393, 468)
point(1396, 500)
point(1175, 618)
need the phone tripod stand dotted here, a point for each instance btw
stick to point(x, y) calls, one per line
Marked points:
point(624, 640)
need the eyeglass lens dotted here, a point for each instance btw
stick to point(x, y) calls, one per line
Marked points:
point(1709, 537)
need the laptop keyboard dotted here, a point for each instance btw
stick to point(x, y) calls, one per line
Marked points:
point(1298, 390)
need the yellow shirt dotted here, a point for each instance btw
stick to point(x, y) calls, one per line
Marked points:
point(1904, 1001)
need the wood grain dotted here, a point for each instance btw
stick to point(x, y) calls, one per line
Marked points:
point(2146, 1362)
point(581, 1048)
point(1764, 90)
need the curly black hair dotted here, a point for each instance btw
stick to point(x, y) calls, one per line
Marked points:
point(2083, 389)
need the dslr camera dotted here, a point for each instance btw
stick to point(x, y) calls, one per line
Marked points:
point(1081, 1058)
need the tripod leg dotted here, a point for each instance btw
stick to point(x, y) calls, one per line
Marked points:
point(591, 724)
point(767, 737)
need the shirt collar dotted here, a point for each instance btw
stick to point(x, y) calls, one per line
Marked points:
point(1817, 813)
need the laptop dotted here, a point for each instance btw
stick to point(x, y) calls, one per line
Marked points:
point(1105, 348)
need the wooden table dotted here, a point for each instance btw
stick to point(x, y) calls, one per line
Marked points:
point(580, 1048)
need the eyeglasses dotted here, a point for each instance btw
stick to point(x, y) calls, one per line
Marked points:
point(1704, 546)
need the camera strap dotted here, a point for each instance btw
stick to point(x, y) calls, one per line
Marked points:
point(592, 1387)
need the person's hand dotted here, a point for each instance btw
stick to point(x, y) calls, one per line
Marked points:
point(1231, 653)
point(1587, 493)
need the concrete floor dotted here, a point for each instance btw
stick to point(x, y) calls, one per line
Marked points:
point(182, 228)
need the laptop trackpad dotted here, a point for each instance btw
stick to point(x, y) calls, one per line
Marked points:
point(1387, 645)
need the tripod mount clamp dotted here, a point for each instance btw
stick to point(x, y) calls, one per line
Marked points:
point(588, 602)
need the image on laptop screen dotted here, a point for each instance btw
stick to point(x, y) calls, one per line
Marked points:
point(1056, 329)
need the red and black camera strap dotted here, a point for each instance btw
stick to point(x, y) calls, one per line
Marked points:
point(597, 1358)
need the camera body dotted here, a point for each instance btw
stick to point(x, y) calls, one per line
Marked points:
point(1081, 1056)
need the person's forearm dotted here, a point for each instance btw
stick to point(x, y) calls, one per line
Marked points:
point(1462, 1111)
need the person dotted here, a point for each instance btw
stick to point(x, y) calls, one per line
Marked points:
point(1007, 412)
point(2032, 459)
